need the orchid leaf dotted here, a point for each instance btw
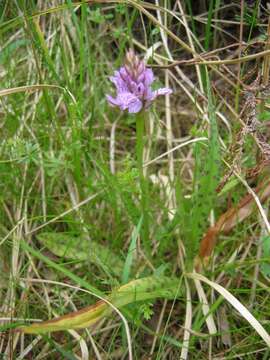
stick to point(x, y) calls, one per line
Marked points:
point(147, 288)
point(81, 248)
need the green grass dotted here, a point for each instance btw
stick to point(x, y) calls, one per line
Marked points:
point(83, 213)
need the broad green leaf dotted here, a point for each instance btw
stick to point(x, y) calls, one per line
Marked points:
point(147, 288)
point(80, 248)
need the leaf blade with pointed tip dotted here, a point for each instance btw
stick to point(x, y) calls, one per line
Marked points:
point(148, 288)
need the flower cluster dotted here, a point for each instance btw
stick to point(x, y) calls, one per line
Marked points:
point(133, 85)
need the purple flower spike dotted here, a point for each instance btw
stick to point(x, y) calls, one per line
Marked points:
point(133, 85)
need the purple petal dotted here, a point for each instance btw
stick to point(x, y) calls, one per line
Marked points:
point(129, 101)
point(133, 87)
point(135, 106)
point(140, 89)
point(140, 78)
point(148, 77)
point(124, 74)
point(161, 91)
point(112, 101)
point(119, 83)
point(148, 94)
point(126, 100)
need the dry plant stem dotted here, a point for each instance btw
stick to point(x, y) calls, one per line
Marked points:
point(174, 149)
point(30, 88)
point(266, 62)
point(188, 322)
point(188, 31)
point(29, 348)
point(170, 57)
point(266, 65)
point(240, 52)
point(258, 257)
point(158, 327)
point(82, 344)
point(95, 349)
point(169, 135)
point(242, 59)
point(244, 355)
point(205, 308)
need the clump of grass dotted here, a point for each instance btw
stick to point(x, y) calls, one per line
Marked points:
point(82, 219)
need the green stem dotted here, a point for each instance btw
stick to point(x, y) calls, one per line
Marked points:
point(140, 125)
